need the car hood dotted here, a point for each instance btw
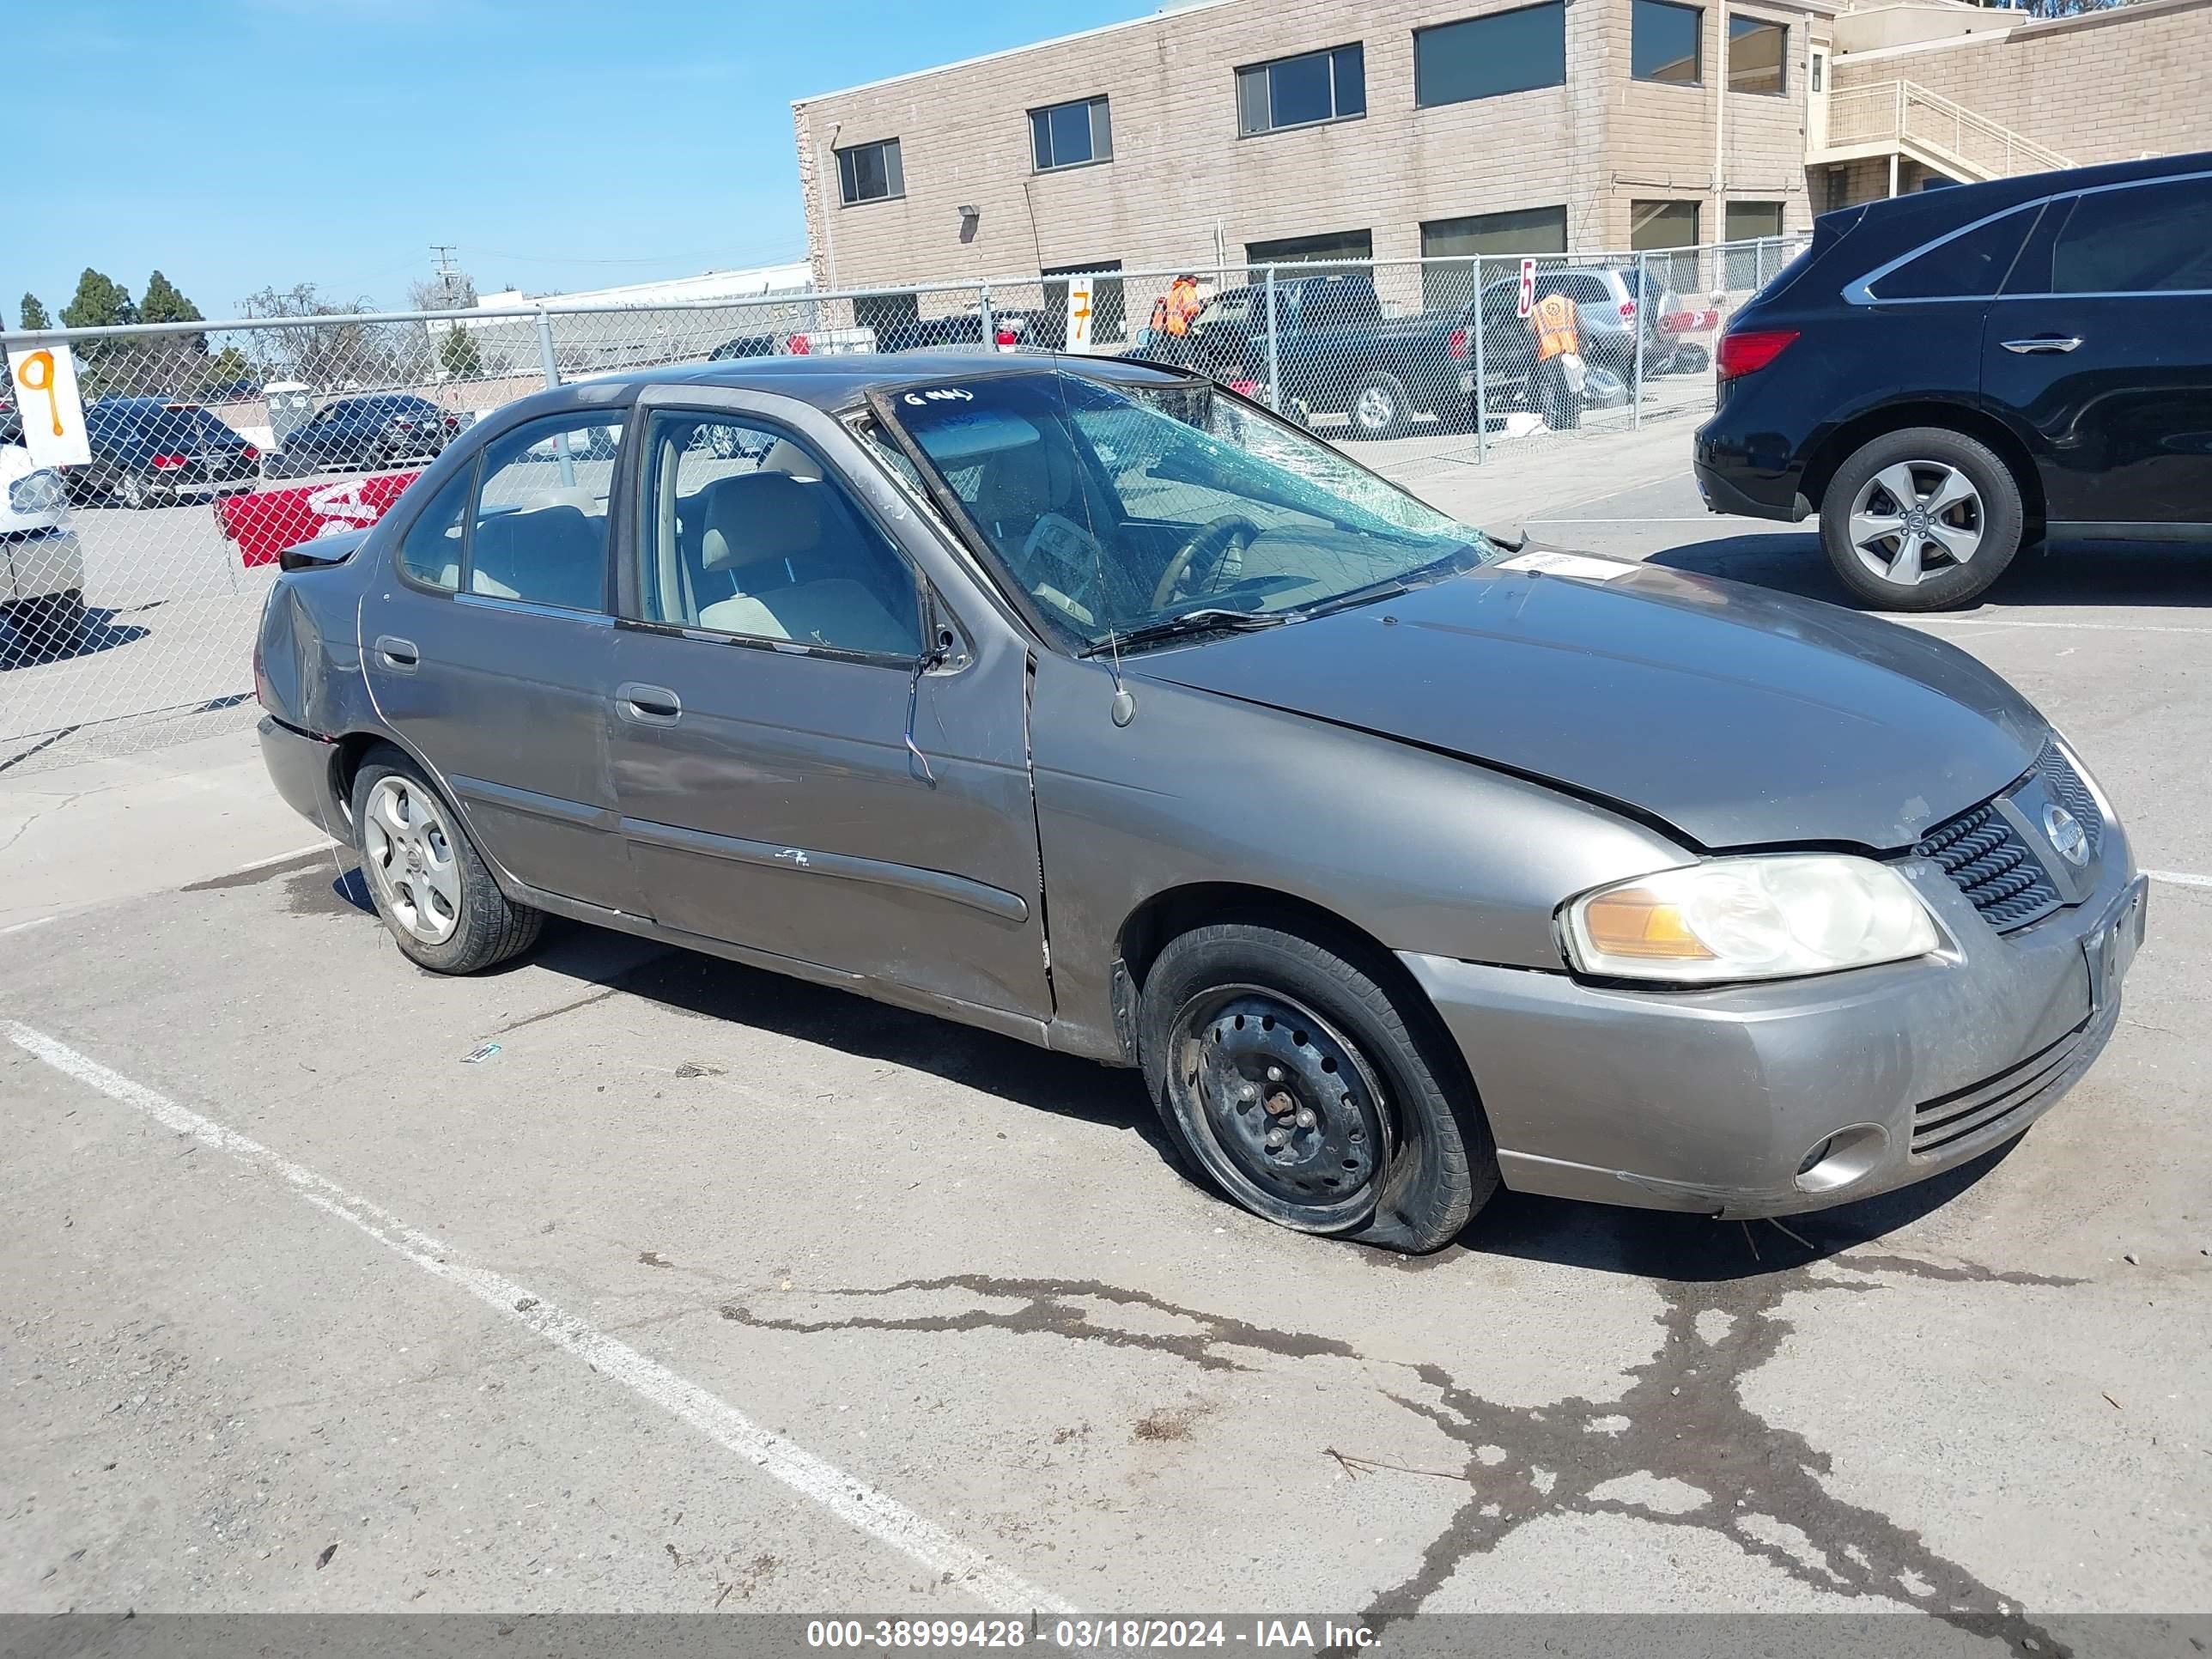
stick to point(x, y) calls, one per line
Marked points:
point(1737, 716)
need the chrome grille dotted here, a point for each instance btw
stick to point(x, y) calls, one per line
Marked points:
point(1993, 865)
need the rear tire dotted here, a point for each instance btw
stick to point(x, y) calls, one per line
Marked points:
point(1247, 1033)
point(1379, 407)
point(1922, 519)
point(133, 490)
point(429, 884)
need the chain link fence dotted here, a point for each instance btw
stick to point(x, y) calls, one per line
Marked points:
point(135, 583)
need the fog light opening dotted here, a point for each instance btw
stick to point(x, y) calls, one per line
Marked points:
point(1840, 1159)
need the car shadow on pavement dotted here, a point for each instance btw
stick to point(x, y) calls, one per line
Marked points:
point(739, 997)
point(1645, 1243)
point(22, 648)
point(2171, 574)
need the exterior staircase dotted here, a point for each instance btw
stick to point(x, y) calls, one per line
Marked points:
point(1905, 119)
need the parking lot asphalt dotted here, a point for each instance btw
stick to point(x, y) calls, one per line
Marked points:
point(705, 1289)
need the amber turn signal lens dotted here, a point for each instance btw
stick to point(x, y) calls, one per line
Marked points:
point(1633, 921)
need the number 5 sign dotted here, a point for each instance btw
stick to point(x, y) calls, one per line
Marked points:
point(43, 382)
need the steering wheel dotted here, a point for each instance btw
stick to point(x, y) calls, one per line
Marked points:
point(1213, 539)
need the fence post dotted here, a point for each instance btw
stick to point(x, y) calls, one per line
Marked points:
point(546, 359)
point(1481, 379)
point(1643, 322)
point(990, 324)
point(1274, 360)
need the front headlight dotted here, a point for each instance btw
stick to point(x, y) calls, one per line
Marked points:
point(1768, 916)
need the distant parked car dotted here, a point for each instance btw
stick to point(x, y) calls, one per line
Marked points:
point(1009, 329)
point(1946, 377)
point(145, 448)
point(41, 564)
point(382, 430)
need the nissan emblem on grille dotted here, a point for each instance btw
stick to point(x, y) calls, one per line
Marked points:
point(2067, 838)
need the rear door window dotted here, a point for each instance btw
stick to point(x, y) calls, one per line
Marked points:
point(539, 532)
point(1971, 265)
point(2141, 239)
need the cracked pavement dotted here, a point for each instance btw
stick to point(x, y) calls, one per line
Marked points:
point(968, 1274)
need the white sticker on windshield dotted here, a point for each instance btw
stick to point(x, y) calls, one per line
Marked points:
point(1579, 565)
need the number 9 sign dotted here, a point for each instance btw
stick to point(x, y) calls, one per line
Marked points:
point(42, 382)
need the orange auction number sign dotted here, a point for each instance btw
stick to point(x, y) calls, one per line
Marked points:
point(43, 361)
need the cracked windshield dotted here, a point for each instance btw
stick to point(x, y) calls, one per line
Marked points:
point(1145, 511)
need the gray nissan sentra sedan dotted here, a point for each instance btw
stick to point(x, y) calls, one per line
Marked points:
point(1089, 703)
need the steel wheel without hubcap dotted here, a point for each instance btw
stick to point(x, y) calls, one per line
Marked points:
point(1288, 1109)
point(1915, 520)
point(408, 852)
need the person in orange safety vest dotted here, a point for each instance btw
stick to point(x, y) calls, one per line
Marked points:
point(1173, 312)
point(1558, 332)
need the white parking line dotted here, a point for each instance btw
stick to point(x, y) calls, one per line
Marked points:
point(26, 926)
point(279, 858)
point(2090, 627)
point(2179, 878)
point(859, 1506)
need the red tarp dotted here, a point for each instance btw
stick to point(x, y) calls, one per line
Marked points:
point(268, 521)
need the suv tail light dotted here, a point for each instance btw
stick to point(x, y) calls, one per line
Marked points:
point(1627, 310)
point(1005, 337)
point(1749, 350)
point(170, 463)
point(1458, 344)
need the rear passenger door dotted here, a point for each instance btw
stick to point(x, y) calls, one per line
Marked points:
point(2100, 346)
point(793, 777)
point(487, 647)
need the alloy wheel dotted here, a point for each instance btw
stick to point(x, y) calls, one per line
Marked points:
point(1283, 1106)
point(1916, 519)
point(408, 852)
point(1376, 411)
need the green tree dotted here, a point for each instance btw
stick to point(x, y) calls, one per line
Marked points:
point(227, 368)
point(164, 304)
point(458, 357)
point(32, 315)
point(100, 302)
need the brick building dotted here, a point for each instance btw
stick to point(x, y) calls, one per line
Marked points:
point(1230, 131)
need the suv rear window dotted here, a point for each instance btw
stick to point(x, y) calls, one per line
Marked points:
point(2148, 239)
point(1972, 265)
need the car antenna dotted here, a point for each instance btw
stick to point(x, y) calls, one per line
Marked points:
point(1123, 708)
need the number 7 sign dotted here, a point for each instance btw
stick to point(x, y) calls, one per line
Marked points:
point(43, 382)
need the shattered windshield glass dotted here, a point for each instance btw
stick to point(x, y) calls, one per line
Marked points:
point(1117, 507)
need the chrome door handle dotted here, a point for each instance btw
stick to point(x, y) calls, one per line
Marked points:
point(2043, 343)
point(648, 705)
point(396, 652)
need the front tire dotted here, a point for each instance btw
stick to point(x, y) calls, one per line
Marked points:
point(429, 884)
point(1307, 1093)
point(134, 490)
point(1922, 519)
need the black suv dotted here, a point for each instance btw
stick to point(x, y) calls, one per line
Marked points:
point(143, 448)
point(1948, 376)
point(382, 430)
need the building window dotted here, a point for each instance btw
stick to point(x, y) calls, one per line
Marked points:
point(1665, 43)
point(1340, 245)
point(1748, 220)
point(1654, 226)
point(1758, 56)
point(1754, 223)
point(1448, 284)
point(1486, 56)
point(1302, 91)
point(1109, 323)
point(1070, 135)
point(871, 173)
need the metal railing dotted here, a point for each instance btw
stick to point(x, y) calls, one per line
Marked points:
point(243, 437)
point(1905, 114)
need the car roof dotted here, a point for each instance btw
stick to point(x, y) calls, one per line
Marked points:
point(1963, 204)
point(833, 381)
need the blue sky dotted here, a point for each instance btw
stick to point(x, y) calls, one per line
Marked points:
point(235, 144)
